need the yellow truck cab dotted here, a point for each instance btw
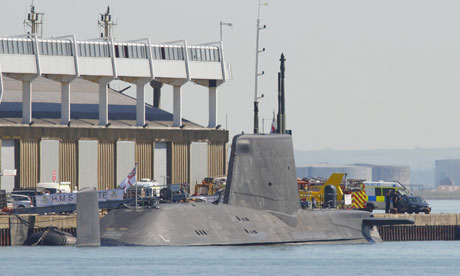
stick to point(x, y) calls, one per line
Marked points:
point(376, 191)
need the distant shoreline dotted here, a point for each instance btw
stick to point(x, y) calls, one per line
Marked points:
point(437, 195)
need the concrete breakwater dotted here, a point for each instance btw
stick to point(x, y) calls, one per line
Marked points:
point(426, 227)
point(14, 229)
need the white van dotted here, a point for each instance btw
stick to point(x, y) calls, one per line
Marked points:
point(376, 191)
point(145, 188)
point(56, 187)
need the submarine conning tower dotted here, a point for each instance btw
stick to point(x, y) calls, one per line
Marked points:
point(262, 173)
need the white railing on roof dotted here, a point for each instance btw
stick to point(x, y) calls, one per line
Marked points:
point(60, 47)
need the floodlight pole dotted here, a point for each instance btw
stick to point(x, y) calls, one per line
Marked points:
point(224, 24)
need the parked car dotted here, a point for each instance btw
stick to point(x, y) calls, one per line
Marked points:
point(173, 193)
point(31, 192)
point(413, 204)
point(20, 201)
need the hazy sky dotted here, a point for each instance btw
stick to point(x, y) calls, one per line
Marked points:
point(360, 74)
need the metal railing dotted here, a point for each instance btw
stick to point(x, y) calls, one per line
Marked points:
point(59, 47)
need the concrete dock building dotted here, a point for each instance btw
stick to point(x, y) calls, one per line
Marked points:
point(60, 121)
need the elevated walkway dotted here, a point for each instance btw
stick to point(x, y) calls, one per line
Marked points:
point(65, 59)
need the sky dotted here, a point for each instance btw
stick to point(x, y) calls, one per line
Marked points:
point(360, 74)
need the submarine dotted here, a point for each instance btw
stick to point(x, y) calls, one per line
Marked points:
point(260, 206)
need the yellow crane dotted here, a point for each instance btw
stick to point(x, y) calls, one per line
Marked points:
point(318, 194)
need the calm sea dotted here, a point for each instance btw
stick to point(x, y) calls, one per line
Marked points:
point(445, 206)
point(390, 258)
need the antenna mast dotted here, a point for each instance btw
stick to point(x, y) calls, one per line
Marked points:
point(35, 22)
point(281, 120)
point(105, 22)
point(256, 97)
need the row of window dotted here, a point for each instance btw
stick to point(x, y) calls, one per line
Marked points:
point(204, 54)
point(93, 49)
point(16, 47)
point(168, 53)
point(130, 51)
point(54, 48)
point(102, 49)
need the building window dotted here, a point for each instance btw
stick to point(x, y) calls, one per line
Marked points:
point(163, 53)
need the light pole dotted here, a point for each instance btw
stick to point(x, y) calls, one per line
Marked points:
point(256, 97)
point(263, 123)
point(224, 24)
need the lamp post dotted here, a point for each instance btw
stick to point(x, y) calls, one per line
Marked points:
point(263, 123)
point(224, 24)
point(256, 97)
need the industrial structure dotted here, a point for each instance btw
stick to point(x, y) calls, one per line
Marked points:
point(369, 172)
point(325, 171)
point(60, 121)
point(399, 174)
point(447, 172)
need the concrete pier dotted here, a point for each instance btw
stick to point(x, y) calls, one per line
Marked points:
point(426, 227)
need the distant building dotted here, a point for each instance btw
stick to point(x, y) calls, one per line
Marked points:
point(447, 172)
point(368, 172)
point(325, 170)
point(399, 174)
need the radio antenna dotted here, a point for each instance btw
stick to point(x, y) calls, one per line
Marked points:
point(34, 22)
point(105, 22)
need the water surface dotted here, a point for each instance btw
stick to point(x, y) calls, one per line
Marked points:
point(391, 258)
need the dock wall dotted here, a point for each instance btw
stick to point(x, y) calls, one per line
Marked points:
point(426, 227)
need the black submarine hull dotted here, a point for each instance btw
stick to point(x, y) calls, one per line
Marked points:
point(261, 206)
point(207, 224)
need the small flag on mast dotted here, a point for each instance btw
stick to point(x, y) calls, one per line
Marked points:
point(129, 181)
point(273, 129)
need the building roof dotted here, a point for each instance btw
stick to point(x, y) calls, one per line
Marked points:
point(84, 108)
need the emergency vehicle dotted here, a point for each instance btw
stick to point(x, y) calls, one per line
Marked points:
point(372, 197)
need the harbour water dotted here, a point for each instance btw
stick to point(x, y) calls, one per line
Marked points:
point(389, 258)
point(444, 206)
point(392, 258)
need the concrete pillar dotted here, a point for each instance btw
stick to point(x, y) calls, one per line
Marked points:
point(26, 102)
point(177, 108)
point(140, 103)
point(212, 107)
point(103, 102)
point(65, 103)
point(156, 93)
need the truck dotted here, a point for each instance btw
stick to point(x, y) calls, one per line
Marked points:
point(55, 187)
point(145, 188)
point(323, 193)
point(210, 185)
